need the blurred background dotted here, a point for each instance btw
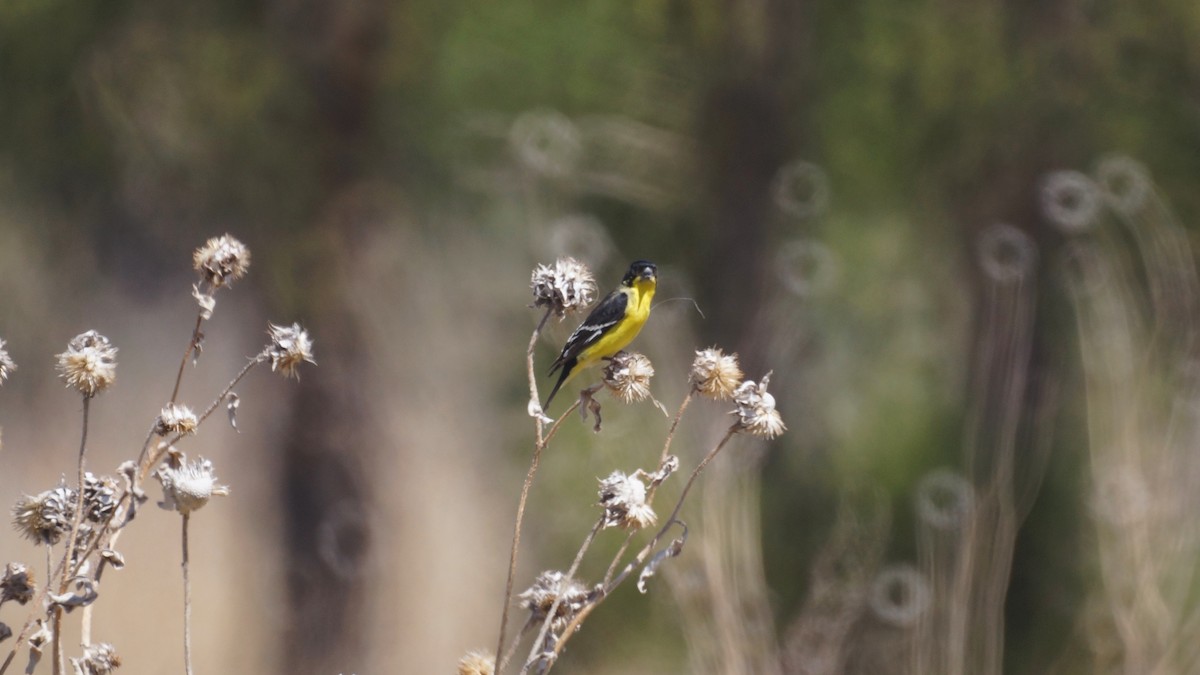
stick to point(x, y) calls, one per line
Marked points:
point(958, 233)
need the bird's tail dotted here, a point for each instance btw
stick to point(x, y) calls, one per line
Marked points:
point(567, 369)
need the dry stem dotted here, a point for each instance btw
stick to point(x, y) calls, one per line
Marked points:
point(533, 466)
point(186, 353)
point(76, 520)
point(187, 603)
point(642, 555)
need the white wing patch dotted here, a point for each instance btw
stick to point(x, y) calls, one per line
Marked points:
point(588, 333)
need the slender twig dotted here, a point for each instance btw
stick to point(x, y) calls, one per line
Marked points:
point(225, 392)
point(536, 650)
point(77, 517)
point(187, 603)
point(76, 521)
point(57, 660)
point(186, 353)
point(516, 542)
point(533, 466)
point(666, 451)
point(516, 641)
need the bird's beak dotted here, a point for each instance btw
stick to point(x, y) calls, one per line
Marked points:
point(647, 273)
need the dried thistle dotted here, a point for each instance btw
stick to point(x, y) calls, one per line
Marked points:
point(477, 663)
point(756, 409)
point(563, 288)
point(46, 517)
point(6, 363)
point(98, 659)
point(628, 376)
point(99, 497)
point(715, 374)
point(90, 363)
point(17, 584)
point(624, 500)
point(176, 419)
point(189, 486)
point(546, 589)
point(221, 261)
point(290, 346)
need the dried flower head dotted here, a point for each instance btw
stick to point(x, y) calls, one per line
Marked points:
point(45, 518)
point(477, 663)
point(98, 659)
point(17, 584)
point(89, 364)
point(189, 487)
point(6, 363)
point(221, 261)
point(99, 497)
point(563, 288)
point(176, 419)
point(546, 589)
point(756, 409)
point(628, 376)
point(624, 501)
point(290, 346)
point(716, 374)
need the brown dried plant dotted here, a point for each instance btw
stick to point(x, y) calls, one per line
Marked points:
point(90, 515)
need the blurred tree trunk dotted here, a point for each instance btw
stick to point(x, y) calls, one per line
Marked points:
point(750, 123)
point(326, 495)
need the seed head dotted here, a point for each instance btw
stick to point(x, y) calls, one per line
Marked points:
point(90, 363)
point(17, 584)
point(99, 497)
point(716, 374)
point(290, 346)
point(477, 663)
point(189, 487)
point(624, 501)
point(628, 376)
point(98, 659)
point(564, 288)
point(756, 409)
point(221, 261)
point(6, 363)
point(176, 419)
point(540, 597)
point(45, 518)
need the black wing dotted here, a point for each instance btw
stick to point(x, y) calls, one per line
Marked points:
point(607, 314)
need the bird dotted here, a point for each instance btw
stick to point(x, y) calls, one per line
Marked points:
point(612, 325)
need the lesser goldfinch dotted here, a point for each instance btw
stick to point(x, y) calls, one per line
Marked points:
point(612, 325)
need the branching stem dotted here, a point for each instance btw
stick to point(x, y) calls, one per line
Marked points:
point(642, 555)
